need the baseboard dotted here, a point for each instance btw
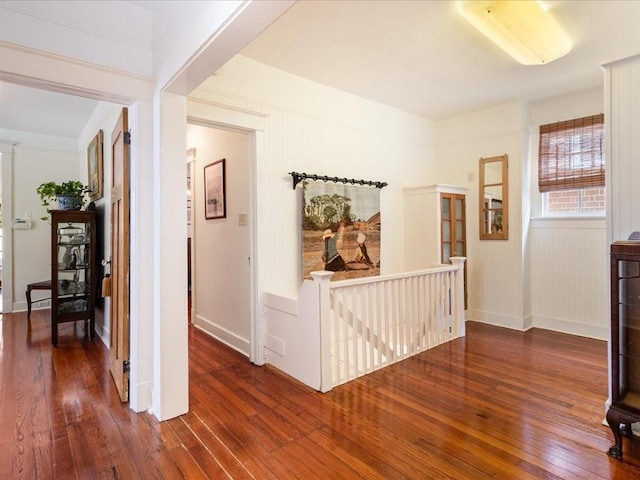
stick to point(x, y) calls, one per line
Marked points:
point(506, 321)
point(572, 328)
point(225, 336)
point(140, 398)
point(537, 321)
point(35, 305)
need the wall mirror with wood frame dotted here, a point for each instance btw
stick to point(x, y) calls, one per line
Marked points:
point(494, 195)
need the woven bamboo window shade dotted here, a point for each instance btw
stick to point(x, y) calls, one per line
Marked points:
point(571, 154)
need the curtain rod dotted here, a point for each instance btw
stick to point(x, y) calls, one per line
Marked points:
point(298, 177)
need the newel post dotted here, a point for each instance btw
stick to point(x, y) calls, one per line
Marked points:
point(459, 296)
point(323, 279)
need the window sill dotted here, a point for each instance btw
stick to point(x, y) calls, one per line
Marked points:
point(574, 222)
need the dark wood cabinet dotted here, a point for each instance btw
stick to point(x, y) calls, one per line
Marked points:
point(73, 269)
point(625, 341)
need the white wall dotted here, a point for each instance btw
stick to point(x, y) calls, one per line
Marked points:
point(568, 256)
point(33, 166)
point(623, 145)
point(314, 129)
point(495, 268)
point(569, 276)
point(98, 31)
point(221, 249)
point(216, 31)
point(302, 126)
point(539, 276)
point(622, 142)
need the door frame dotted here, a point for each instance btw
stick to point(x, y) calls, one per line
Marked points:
point(138, 100)
point(6, 159)
point(256, 350)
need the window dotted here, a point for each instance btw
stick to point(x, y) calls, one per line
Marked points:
point(571, 166)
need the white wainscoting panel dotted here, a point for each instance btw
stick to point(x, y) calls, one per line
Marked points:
point(569, 276)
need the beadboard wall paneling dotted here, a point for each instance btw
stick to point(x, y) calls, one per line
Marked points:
point(622, 114)
point(495, 268)
point(569, 280)
point(314, 129)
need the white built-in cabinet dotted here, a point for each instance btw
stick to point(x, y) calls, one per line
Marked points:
point(435, 225)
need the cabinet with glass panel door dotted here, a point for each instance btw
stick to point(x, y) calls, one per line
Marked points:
point(435, 225)
point(73, 280)
point(625, 342)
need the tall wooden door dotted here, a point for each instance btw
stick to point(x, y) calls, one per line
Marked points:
point(453, 241)
point(454, 230)
point(119, 338)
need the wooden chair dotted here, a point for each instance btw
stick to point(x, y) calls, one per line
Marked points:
point(44, 285)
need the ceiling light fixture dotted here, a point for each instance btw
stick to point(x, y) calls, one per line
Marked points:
point(522, 28)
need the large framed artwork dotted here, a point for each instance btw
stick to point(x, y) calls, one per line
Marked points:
point(341, 229)
point(215, 205)
point(94, 167)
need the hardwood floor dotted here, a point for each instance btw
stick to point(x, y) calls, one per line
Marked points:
point(496, 404)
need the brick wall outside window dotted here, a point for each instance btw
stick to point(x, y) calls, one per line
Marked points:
point(587, 200)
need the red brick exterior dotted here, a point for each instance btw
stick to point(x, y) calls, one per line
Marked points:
point(587, 200)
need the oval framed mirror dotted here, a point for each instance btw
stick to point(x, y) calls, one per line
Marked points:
point(494, 196)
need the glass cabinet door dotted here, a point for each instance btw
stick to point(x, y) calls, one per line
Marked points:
point(452, 217)
point(73, 266)
point(629, 332)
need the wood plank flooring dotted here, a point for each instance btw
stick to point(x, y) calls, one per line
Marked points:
point(495, 404)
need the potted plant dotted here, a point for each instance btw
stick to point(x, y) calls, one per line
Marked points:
point(69, 195)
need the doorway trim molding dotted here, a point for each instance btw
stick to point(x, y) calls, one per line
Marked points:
point(211, 114)
point(29, 67)
point(6, 163)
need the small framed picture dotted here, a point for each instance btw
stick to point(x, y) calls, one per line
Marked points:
point(214, 191)
point(94, 167)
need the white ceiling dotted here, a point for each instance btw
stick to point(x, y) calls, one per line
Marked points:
point(38, 111)
point(422, 57)
point(418, 56)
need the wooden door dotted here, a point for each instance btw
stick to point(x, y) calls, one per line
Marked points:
point(453, 226)
point(119, 338)
point(453, 242)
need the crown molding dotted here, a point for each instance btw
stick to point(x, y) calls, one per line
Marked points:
point(26, 8)
point(63, 63)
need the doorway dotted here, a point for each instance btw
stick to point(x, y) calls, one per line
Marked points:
point(191, 157)
point(221, 293)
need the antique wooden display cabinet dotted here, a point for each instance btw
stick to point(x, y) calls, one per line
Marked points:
point(73, 263)
point(625, 341)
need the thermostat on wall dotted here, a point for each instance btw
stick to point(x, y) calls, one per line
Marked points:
point(21, 223)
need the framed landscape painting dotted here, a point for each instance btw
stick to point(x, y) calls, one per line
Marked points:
point(94, 167)
point(214, 190)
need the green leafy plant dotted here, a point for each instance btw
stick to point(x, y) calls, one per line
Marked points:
point(50, 191)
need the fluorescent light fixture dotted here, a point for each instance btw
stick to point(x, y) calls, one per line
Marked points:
point(522, 28)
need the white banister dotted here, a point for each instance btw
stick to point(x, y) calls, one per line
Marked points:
point(459, 296)
point(323, 279)
point(337, 331)
point(376, 321)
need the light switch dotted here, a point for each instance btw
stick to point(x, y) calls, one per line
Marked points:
point(242, 219)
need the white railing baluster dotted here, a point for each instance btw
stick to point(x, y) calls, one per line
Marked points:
point(377, 321)
point(371, 335)
point(377, 312)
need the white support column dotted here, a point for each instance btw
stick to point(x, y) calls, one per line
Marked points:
point(323, 279)
point(459, 326)
point(171, 355)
